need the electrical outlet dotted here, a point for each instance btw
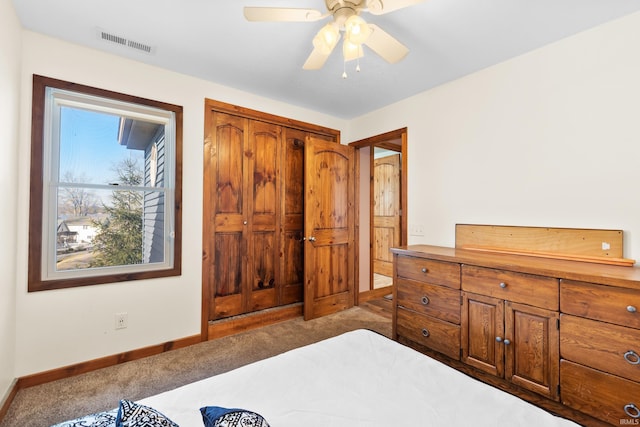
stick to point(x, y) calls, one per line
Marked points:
point(121, 320)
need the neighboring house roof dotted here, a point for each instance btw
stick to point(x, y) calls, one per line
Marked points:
point(79, 221)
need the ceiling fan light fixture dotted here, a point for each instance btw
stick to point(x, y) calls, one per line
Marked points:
point(351, 51)
point(347, 20)
point(326, 39)
point(356, 29)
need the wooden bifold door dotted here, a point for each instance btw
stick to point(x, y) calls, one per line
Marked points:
point(253, 231)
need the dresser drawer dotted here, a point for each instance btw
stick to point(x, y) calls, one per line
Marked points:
point(433, 333)
point(430, 271)
point(610, 348)
point(610, 304)
point(539, 291)
point(437, 301)
point(599, 394)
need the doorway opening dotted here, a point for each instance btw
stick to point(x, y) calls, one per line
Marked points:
point(385, 209)
point(382, 205)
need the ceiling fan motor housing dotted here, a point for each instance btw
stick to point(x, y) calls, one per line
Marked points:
point(343, 10)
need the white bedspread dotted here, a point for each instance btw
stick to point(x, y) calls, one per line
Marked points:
point(356, 379)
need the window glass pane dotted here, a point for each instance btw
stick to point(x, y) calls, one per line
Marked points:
point(104, 218)
point(116, 228)
point(88, 146)
point(93, 146)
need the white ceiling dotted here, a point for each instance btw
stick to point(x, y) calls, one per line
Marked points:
point(210, 39)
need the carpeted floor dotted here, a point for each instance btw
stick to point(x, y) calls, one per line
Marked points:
point(101, 390)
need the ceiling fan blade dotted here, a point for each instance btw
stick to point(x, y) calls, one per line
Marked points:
point(316, 60)
point(282, 14)
point(382, 43)
point(324, 43)
point(380, 7)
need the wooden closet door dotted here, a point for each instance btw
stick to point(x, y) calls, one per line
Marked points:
point(292, 261)
point(228, 173)
point(263, 215)
point(253, 204)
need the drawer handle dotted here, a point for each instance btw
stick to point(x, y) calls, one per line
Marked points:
point(503, 285)
point(425, 332)
point(632, 357)
point(631, 309)
point(424, 270)
point(632, 410)
point(424, 300)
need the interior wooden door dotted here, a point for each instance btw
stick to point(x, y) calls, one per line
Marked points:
point(386, 212)
point(329, 273)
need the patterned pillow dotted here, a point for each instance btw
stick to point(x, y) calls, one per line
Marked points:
point(215, 416)
point(101, 419)
point(131, 414)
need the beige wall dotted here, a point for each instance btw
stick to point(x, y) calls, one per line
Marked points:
point(550, 138)
point(74, 325)
point(10, 40)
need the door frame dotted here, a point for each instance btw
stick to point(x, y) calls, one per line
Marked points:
point(382, 141)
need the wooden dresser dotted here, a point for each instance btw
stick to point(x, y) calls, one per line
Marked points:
point(562, 334)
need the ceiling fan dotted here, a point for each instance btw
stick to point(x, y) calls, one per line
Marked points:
point(346, 20)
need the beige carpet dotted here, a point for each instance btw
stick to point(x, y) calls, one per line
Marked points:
point(101, 390)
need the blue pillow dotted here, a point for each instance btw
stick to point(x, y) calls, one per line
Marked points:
point(131, 414)
point(215, 416)
point(101, 419)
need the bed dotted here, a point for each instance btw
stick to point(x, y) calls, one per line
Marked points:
point(359, 379)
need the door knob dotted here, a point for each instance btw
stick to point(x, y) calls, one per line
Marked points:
point(312, 239)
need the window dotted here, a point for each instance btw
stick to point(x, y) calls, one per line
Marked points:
point(105, 187)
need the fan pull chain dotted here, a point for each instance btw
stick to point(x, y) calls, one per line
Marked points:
point(344, 69)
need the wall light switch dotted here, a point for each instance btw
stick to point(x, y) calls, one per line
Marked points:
point(416, 230)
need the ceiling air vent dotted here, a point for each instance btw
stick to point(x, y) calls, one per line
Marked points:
point(123, 41)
